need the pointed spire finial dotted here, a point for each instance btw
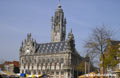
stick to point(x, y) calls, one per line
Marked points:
point(28, 36)
point(71, 30)
point(22, 43)
point(52, 19)
point(70, 33)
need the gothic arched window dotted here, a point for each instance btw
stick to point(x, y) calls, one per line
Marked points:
point(62, 60)
point(32, 66)
point(34, 72)
point(39, 61)
point(37, 66)
point(35, 60)
point(48, 60)
point(43, 60)
point(22, 61)
point(52, 60)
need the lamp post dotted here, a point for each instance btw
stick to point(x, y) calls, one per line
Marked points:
point(87, 64)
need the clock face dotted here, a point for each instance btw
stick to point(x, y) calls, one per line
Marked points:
point(27, 51)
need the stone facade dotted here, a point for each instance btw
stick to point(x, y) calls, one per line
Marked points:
point(58, 58)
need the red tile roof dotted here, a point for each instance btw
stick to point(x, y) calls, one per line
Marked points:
point(1, 65)
point(16, 63)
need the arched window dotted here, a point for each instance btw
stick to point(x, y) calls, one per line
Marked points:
point(34, 72)
point(52, 73)
point(57, 73)
point(62, 60)
point(52, 60)
point(39, 61)
point(28, 66)
point(35, 60)
point(39, 72)
point(24, 66)
point(43, 60)
point(57, 60)
point(32, 66)
point(62, 73)
point(48, 60)
point(22, 60)
point(37, 65)
point(29, 72)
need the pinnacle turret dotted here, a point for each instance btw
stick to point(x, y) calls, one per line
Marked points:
point(70, 35)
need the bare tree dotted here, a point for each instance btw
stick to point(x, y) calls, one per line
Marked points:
point(96, 43)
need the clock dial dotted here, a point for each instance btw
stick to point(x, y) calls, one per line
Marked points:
point(27, 51)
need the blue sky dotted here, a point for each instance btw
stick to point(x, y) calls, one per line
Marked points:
point(19, 17)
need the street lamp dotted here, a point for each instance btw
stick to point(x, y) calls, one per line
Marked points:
point(87, 60)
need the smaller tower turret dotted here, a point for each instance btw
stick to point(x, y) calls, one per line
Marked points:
point(70, 35)
point(29, 37)
point(71, 42)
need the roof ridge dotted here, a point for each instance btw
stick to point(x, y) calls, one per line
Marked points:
point(51, 42)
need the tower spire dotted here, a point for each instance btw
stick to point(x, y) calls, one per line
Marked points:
point(58, 31)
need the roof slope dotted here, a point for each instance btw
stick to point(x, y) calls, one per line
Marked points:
point(51, 47)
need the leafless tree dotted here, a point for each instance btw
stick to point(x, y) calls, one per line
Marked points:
point(96, 43)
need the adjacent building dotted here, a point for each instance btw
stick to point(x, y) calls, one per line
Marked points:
point(112, 46)
point(11, 67)
point(58, 59)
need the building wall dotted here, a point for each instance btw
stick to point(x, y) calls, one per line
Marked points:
point(9, 68)
point(36, 60)
point(56, 65)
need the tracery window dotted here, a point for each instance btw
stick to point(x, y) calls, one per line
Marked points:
point(37, 66)
point(52, 60)
point(52, 73)
point(34, 60)
point(32, 66)
point(28, 66)
point(22, 61)
point(39, 72)
point(39, 60)
point(62, 60)
point(62, 73)
point(48, 60)
point(43, 60)
point(34, 72)
point(24, 66)
point(57, 73)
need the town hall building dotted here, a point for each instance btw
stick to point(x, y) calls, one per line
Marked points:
point(58, 59)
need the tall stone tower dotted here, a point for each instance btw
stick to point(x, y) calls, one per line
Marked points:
point(58, 27)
